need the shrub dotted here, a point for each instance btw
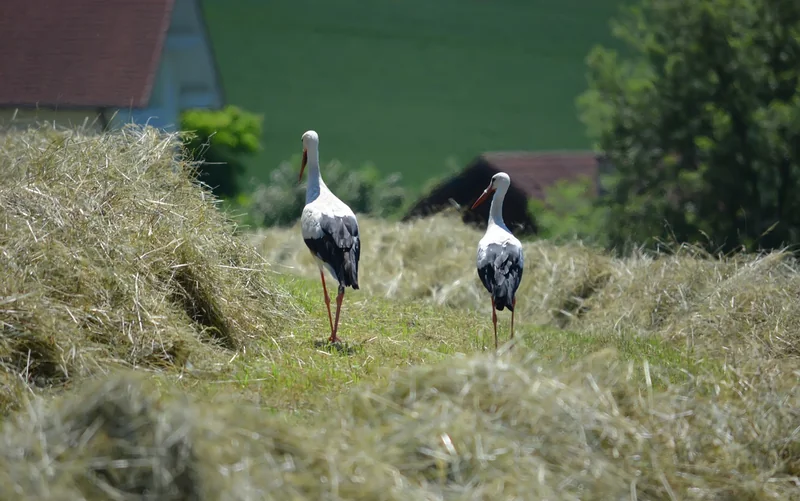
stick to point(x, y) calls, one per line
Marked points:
point(217, 140)
point(569, 212)
point(281, 201)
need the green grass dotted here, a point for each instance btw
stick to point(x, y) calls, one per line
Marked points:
point(294, 377)
point(408, 85)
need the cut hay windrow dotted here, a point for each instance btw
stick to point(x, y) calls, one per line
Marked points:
point(111, 255)
point(483, 427)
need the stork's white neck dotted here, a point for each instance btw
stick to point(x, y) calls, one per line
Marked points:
point(315, 184)
point(496, 210)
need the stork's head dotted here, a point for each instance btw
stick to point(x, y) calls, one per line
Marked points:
point(500, 181)
point(310, 141)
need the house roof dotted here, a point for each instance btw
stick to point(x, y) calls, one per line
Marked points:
point(533, 172)
point(76, 53)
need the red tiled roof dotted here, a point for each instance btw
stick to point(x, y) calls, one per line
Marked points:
point(533, 172)
point(80, 52)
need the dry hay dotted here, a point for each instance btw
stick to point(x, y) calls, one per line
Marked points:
point(472, 428)
point(111, 255)
point(684, 295)
point(434, 259)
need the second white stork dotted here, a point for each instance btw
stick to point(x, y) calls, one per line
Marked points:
point(500, 261)
point(330, 230)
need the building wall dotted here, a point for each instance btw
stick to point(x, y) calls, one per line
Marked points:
point(162, 111)
point(24, 118)
point(186, 76)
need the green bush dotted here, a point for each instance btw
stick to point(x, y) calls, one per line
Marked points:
point(281, 201)
point(570, 212)
point(217, 139)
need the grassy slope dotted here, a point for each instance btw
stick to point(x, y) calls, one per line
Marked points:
point(408, 85)
point(666, 378)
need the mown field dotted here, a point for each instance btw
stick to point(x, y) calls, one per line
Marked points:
point(149, 351)
point(408, 86)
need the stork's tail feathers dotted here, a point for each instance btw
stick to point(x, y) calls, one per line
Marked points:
point(349, 272)
point(503, 300)
point(503, 295)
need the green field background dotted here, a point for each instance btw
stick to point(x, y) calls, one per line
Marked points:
point(408, 85)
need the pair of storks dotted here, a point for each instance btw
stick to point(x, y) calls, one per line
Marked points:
point(330, 230)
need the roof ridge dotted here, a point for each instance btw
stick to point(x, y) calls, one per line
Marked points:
point(539, 153)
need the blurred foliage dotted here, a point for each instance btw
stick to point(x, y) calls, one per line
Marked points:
point(570, 212)
point(219, 138)
point(452, 168)
point(702, 122)
point(281, 202)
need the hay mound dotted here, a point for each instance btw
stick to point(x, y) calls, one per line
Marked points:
point(470, 428)
point(110, 254)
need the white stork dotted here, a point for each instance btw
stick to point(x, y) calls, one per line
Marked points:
point(330, 230)
point(500, 260)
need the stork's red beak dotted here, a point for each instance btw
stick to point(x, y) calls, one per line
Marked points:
point(303, 164)
point(488, 191)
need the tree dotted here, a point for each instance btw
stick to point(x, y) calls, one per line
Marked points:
point(219, 138)
point(701, 122)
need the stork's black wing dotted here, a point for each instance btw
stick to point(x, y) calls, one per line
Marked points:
point(339, 245)
point(500, 270)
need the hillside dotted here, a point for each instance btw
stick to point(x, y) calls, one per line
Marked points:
point(408, 86)
point(150, 352)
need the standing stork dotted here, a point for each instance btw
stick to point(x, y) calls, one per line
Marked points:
point(500, 260)
point(330, 230)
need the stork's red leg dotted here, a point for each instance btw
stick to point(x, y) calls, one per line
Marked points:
point(494, 322)
point(339, 300)
point(327, 299)
point(514, 306)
